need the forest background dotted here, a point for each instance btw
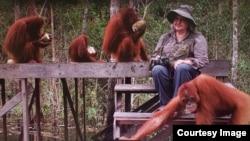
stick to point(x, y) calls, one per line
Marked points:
point(214, 19)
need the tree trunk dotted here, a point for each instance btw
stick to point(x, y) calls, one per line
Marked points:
point(17, 9)
point(84, 18)
point(235, 43)
point(54, 90)
point(84, 31)
point(133, 3)
point(31, 10)
point(114, 7)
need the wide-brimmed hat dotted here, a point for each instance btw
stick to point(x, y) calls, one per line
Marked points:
point(184, 11)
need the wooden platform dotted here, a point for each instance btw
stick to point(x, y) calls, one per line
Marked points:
point(86, 70)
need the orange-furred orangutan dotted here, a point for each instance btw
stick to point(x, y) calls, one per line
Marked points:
point(207, 98)
point(122, 39)
point(24, 39)
point(79, 50)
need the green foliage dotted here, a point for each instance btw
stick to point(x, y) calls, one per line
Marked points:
point(91, 112)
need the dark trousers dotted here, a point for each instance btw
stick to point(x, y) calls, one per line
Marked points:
point(167, 85)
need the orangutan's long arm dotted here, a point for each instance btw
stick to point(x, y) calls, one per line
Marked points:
point(157, 120)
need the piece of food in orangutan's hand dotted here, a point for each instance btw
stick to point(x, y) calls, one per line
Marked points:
point(45, 37)
point(10, 61)
point(139, 25)
point(92, 50)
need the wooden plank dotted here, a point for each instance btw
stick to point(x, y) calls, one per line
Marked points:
point(135, 88)
point(95, 70)
point(127, 121)
point(132, 115)
point(25, 110)
point(14, 101)
point(75, 70)
point(131, 118)
point(217, 68)
point(11, 103)
point(128, 89)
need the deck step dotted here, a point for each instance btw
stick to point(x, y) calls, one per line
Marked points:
point(129, 117)
point(135, 88)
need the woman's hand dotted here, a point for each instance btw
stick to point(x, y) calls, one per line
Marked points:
point(178, 62)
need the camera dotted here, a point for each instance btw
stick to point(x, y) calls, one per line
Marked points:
point(164, 61)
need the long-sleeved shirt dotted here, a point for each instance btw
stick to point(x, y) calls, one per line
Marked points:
point(195, 42)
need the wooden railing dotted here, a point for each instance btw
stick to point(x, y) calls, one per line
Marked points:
point(94, 70)
point(81, 70)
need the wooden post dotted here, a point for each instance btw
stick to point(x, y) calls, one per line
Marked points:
point(4, 116)
point(84, 108)
point(25, 110)
point(65, 109)
point(76, 101)
point(38, 109)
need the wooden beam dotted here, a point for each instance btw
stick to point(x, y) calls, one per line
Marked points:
point(25, 110)
point(11, 103)
point(220, 68)
point(95, 70)
point(76, 70)
point(3, 97)
point(14, 101)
